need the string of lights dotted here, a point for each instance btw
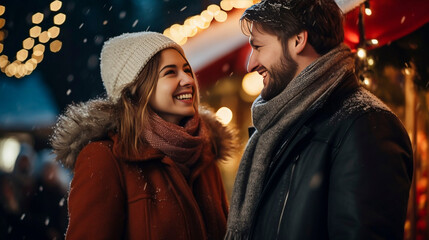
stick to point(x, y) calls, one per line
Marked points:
point(24, 63)
point(194, 24)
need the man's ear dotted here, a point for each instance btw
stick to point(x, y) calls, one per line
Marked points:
point(300, 41)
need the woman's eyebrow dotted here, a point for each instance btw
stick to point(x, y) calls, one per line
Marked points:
point(168, 66)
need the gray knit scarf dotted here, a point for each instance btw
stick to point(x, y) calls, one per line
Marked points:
point(272, 119)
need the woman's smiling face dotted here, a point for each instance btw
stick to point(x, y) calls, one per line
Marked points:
point(175, 90)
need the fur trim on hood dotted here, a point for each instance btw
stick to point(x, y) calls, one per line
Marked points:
point(91, 121)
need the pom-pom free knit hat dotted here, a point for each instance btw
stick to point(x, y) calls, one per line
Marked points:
point(123, 58)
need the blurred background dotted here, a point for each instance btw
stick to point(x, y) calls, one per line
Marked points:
point(49, 58)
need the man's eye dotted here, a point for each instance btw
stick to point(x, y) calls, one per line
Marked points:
point(256, 47)
point(188, 71)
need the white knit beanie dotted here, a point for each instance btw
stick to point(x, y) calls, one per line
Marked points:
point(123, 58)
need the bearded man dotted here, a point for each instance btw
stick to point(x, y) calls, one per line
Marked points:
point(326, 159)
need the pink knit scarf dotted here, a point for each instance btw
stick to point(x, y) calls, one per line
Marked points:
point(183, 145)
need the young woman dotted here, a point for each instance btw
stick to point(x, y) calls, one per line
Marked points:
point(144, 159)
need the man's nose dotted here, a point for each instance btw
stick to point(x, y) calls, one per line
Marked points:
point(253, 64)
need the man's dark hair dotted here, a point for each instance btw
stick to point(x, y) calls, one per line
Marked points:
point(322, 19)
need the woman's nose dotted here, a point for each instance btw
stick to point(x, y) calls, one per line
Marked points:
point(186, 79)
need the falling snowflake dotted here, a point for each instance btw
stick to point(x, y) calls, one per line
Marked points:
point(47, 221)
point(81, 25)
point(183, 8)
point(135, 23)
point(98, 39)
point(122, 14)
point(61, 203)
point(22, 216)
point(70, 78)
point(68, 92)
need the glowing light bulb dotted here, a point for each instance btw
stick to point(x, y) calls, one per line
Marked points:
point(226, 5)
point(252, 83)
point(361, 53)
point(59, 19)
point(374, 41)
point(37, 18)
point(56, 5)
point(224, 115)
point(368, 11)
point(55, 46)
point(221, 16)
point(35, 31)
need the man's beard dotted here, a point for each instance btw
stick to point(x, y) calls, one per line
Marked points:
point(280, 77)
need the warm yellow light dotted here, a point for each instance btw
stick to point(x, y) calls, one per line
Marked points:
point(29, 66)
point(370, 61)
point(38, 50)
point(56, 5)
point(407, 71)
point(182, 41)
point(1, 47)
point(2, 22)
point(205, 25)
point(361, 53)
point(7, 71)
point(213, 9)
point(28, 43)
point(37, 18)
point(242, 3)
point(32, 62)
point(11, 69)
point(2, 9)
point(2, 35)
point(177, 33)
point(59, 19)
point(9, 150)
point(252, 83)
point(44, 37)
point(167, 33)
point(374, 41)
point(176, 29)
point(20, 70)
point(221, 16)
point(21, 55)
point(35, 31)
point(3, 61)
point(188, 30)
point(206, 16)
point(37, 58)
point(55, 46)
point(367, 81)
point(224, 115)
point(189, 22)
point(226, 5)
point(368, 11)
point(54, 32)
point(198, 21)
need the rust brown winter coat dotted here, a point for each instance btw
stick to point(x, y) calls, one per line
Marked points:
point(143, 198)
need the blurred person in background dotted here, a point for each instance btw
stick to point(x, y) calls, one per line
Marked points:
point(145, 159)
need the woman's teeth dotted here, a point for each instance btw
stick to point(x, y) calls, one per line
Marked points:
point(184, 96)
